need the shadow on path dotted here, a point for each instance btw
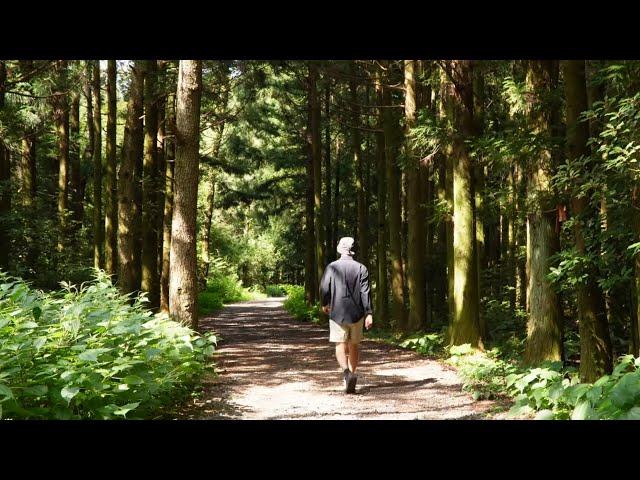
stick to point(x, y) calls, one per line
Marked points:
point(271, 366)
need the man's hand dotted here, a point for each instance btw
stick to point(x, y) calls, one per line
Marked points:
point(326, 309)
point(368, 321)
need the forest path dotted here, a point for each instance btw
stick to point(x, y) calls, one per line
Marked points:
point(273, 367)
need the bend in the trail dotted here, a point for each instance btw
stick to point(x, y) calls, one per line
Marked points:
point(273, 367)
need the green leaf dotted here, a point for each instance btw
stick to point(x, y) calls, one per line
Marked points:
point(92, 354)
point(601, 381)
point(544, 415)
point(132, 380)
point(582, 410)
point(36, 390)
point(69, 392)
point(6, 391)
point(37, 312)
point(126, 409)
point(633, 414)
point(27, 325)
point(624, 394)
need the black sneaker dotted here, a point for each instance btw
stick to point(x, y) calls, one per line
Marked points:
point(346, 374)
point(351, 383)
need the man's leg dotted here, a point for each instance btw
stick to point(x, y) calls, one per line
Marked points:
point(341, 355)
point(354, 356)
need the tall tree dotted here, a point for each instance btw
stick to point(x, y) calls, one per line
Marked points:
point(363, 233)
point(382, 293)
point(74, 159)
point(316, 154)
point(446, 183)
point(544, 326)
point(336, 195)
point(162, 165)
point(183, 280)
point(330, 247)
point(98, 225)
point(168, 203)
point(87, 86)
point(60, 103)
point(390, 127)
point(595, 341)
point(111, 185)
point(478, 182)
point(28, 157)
point(310, 278)
point(127, 207)
point(5, 179)
point(150, 183)
point(465, 327)
point(415, 211)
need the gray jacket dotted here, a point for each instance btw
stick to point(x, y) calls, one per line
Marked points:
point(345, 288)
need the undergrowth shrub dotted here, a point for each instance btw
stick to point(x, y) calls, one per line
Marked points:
point(276, 291)
point(224, 287)
point(87, 352)
point(297, 306)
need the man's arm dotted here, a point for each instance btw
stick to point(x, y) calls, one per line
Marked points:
point(325, 289)
point(365, 296)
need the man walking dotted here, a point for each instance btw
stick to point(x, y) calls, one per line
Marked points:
point(344, 293)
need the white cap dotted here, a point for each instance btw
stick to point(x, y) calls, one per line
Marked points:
point(345, 245)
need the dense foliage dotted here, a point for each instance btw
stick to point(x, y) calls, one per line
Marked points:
point(86, 352)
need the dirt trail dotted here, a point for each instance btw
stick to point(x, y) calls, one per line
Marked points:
point(274, 367)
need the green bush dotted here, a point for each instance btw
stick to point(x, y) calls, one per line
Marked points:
point(276, 291)
point(88, 353)
point(297, 306)
point(222, 288)
point(557, 394)
point(425, 344)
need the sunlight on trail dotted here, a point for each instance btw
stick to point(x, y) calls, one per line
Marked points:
point(275, 367)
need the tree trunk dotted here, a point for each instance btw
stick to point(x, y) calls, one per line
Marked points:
point(28, 169)
point(316, 150)
point(595, 341)
point(363, 233)
point(162, 168)
point(330, 247)
point(74, 160)
point(183, 287)
point(446, 115)
point(415, 212)
point(382, 293)
point(111, 183)
point(150, 184)
point(5, 181)
point(91, 137)
point(544, 326)
point(127, 206)
point(465, 327)
point(394, 209)
point(168, 207)
point(98, 225)
point(478, 182)
point(310, 253)
point(61, 121)
point(336, 198)
point(206, 228)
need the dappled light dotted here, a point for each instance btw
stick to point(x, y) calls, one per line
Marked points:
point(210, 239)
point(275, 367)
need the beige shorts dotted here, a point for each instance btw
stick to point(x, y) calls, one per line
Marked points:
point(347, 332)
